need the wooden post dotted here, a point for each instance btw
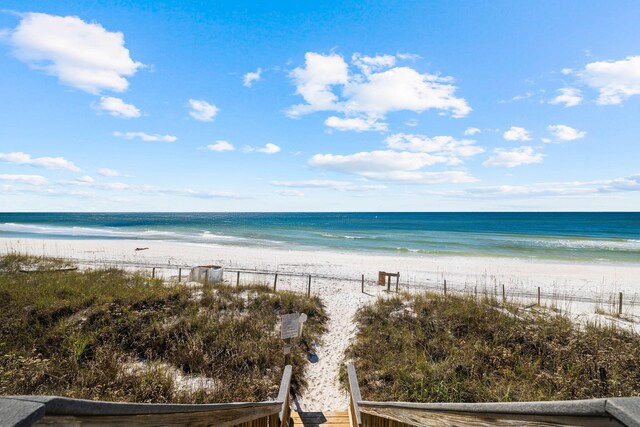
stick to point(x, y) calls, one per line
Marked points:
point(476, 291)
point(179, 275)
point(620, 305)
point(238, 279)
point(309, 287)
point(538, 296)
point(445, 287)
point(363, 283)
point(397, 281)
point(504, 296)
point(206, 277)
point(153, 273)
point(275, 281)
point(388, 283)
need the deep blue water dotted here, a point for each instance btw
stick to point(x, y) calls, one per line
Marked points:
point(600, 237)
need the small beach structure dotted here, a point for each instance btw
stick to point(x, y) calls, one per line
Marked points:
point(206, 274)
point(384, 277)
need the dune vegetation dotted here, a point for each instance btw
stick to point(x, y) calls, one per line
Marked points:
point(113, 335)
point(436, 348)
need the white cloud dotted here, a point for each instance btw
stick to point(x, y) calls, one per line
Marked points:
point(403, 88)
point(114, 186)
point(117, 107)
point(615, 80)
point(516, 133)
point(471, 131)
point(445, 146)
point(314, 82)
point(220, 146)
point(251, 77)
point(202, 110)
point(28, 179)
point(269, 148)
point(566, 133)
point(569, 96)
point(290, 193)
point(198, 194)
point(110, 172)
point(372, 89)
point(80, 54)
point(146, 137)
point(356, 124)
point(369, 64)
point(411, 122)
point(41, 162)
point(326, 183)
point(390, 166)
point(514, 157)
point(556, 189)
point(85, 179)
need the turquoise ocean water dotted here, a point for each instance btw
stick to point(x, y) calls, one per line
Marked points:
point(596, 237)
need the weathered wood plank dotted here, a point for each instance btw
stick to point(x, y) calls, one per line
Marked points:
point(398, 417)
point(224, 418)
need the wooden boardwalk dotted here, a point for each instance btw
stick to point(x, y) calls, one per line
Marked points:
point(317, 419)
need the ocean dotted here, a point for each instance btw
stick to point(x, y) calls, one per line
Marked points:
point(595, 237)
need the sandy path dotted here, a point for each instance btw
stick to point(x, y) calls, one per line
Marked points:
point(324, 391)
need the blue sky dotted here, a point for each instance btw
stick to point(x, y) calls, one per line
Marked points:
point(341, 106)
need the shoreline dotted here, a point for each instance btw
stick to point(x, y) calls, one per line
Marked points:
point(619, 276)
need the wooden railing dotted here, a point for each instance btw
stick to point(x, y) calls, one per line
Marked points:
point(18, 411)
point(595, 412)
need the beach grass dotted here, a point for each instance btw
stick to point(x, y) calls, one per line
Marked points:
point(107, 334)
point(434, 348)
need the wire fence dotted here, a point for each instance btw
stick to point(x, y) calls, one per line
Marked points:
point(609, 302)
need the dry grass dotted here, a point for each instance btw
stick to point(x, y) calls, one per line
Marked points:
point(73, 333)
point(431, 348)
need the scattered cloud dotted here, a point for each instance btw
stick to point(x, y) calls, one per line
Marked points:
point(220, 146)
point(357, 124)
point(117, 107)
point(110, 172)
point(373, 87)
point(82, 55)
point(554, 189)
point(569, 96)
point(28, 179)
point(203, 111)
point(251, 77)
point(290, 193)
point(516, 133)
point(527, 95)
point(411, 122)
point(325, 183)
point(446, 147)
point(615, 80)
point(389, 166)
point(566, 133)
point(269, 148)
point(85, 179)
point(21, 158)
point(514, 157)
point(198, 194)
point(146, 137)
point(471, 131)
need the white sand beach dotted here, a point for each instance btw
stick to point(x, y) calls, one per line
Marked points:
point(575, 286)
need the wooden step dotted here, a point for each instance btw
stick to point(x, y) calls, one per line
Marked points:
point(316, 419)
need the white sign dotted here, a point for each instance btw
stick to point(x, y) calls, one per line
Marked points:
point(290, 326)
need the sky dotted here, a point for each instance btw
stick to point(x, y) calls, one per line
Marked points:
point(319, 106)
